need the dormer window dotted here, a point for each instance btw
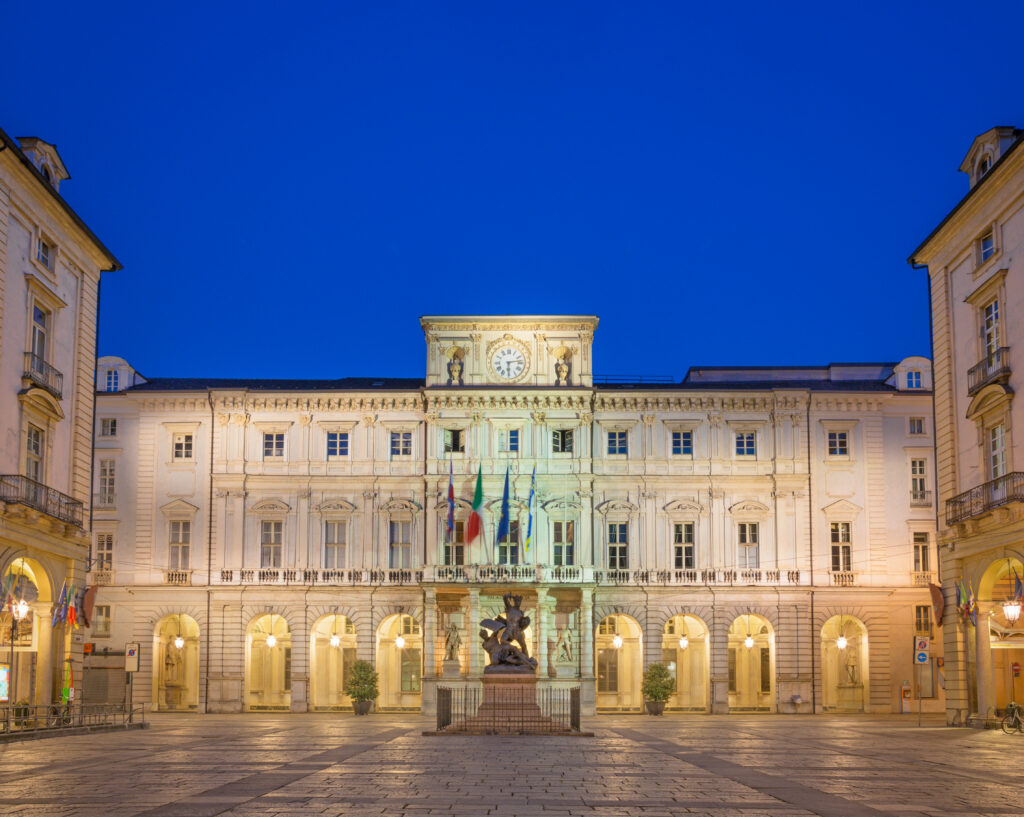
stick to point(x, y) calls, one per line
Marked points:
point(46, 174)
point(984, 166)
point(913, 379)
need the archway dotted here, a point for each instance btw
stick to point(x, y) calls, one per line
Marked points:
point(399, 662)
point(619, 658)
point(685, 650)
point(751, 664)
point(26, 673)
point(176, 664)
point(844, 664)
point(1004, 639)
point(332, 644)
point(268, 664)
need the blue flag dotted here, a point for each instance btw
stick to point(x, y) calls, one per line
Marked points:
point(529, 523)
point(1018, 587)
point(503, 522)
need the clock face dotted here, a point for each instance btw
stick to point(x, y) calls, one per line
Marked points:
point(508, 362)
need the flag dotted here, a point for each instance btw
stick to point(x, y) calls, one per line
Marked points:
point(503, 522)
point(529, 522)
point(450, 524)
point(959, 598)
point(1018, 586)
point(73, 607)
point(60, 603)
point(67, 694)
point(475, 523)
point(972, 608)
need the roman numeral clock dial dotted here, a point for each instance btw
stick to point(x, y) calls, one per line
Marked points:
point(508, 362)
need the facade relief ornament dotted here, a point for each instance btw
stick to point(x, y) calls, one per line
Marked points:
point(369, 419)
point(538, 417)
point(649, 419)
point(586, 419)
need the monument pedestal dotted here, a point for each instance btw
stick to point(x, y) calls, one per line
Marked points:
point(451, 669)
point(565, 670)
point(510, 707)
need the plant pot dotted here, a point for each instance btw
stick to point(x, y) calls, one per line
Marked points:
point(655, 707)
point(361, 707)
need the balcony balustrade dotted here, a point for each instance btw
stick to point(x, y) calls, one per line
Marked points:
point(994, 368)
point(17, 489)
point(922, 578)
point(178, 577)
point(920, 499)
point(842, 578)
point(41, 373)
point(986, 497)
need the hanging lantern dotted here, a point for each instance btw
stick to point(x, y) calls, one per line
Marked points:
point(1011, 610)
point(400, 642)
point(335, 641)
point(21, 609)
point(617, 642)
point(179, 642)
point(841, 642)
point(748, 642)
point(684, 642)
point(271, 641)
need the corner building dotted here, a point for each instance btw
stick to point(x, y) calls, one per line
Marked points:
point(767, 532)
point(975, 263)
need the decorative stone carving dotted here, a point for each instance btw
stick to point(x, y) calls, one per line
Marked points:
point(506, 641)
point(563, 647)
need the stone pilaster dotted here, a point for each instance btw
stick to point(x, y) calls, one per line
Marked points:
point(983, 651)
point(542, 631)
point(475, 648)
point(429, 632)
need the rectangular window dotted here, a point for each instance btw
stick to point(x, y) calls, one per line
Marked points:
point(40, 331)
point(922, 554)
point(923, 619)
point(104, 558)
point(918, 480)
point(565, 543)
point(913, 379)
point(682, 443)
point(746, 444)
point(766, 670)
point(608, 670)
point(337, 443)
point(101, 621)
point(455, 550)
point(271, 543)
point(401, 443)
point(508, 440)
point(34, 447)
point(43, 254)
point(410, 670)
point(561, 441)
point(682, 537)
point(108, 482)
point(916, 427)
point(400, 544)
point(179, 541)
point(182, 446)
point(997, 451)
point(617, 443)
point(840, 532)
point(108, 427)
point(273, 445)
point(454, 441)
point(112, 379)
point(990, 316)
point(334, 544)
point(749, 556)
point(987, 246)
point(838, 444)
point(508, 548)
point(618, 545)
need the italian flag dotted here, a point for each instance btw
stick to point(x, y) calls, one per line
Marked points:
point(475, 524)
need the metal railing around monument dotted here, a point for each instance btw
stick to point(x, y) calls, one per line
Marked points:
point(549, 711)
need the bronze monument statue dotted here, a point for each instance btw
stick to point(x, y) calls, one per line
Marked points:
point(506, 641)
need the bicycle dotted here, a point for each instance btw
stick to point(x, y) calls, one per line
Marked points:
point(1012, 720)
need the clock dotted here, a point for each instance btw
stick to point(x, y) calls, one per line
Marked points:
point(508, 362)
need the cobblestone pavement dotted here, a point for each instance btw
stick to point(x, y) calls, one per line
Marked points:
point(301, 765)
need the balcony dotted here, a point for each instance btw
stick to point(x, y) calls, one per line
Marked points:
point(43, 375)
point(17, 489)
point(179, 577)
point(986, 497)
point(842, 578)
point(922, 578)
point(995, 368)
point(920, 499)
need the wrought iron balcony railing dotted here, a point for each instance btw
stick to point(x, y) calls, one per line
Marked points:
point(994, 368)
point(17, 489)
point(43, 374)
point(987, 496)
point(920, 499)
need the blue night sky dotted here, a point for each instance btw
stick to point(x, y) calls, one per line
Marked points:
point(289, 188)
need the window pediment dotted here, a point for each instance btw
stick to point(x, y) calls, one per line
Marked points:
point(271, 506)
point(179, 508)
point(568, 505)
point(991, 397)
point(336, 506)
point(514, 505)
point(42, 401)
point(683, 506)
point(841, 509)
point(618, 506)
point(748, 507)
point(401, 506)
point(460, 504)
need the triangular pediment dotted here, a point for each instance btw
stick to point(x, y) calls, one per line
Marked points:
point(842, 507)
point(179, 507)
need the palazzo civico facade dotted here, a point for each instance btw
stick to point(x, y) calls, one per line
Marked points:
point(50, 266)
point(767, 532)
point(975, 260)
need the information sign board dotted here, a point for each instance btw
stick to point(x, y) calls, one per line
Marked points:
point(131, 657)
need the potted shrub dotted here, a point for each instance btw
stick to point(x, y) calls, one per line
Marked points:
point(361, 686)
point(657, 688)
